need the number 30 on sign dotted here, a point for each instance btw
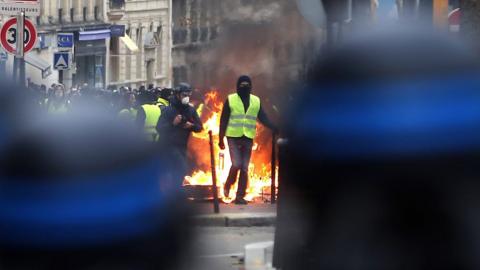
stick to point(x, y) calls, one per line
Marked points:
point(8, 35)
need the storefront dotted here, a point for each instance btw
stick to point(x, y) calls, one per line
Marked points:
point(90, 58)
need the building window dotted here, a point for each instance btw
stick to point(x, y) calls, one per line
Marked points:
point(128, 62)
point(137, 35)
point(72, 14)
point(203, 34)
point(84, 13)
point(179, 74)
point(183, 8)
point(194, 35)
point(176, 37)
point(213, 32)
point(60, 15)
point(95, 13)
point(179, 36)
point(117, 4)
point(140, 64)
point(159, 37)
point(203, 12)
point(115, 59)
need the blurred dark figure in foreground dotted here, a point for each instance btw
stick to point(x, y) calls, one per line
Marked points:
point(382, 166)
point(72, 196)
point(176, 123)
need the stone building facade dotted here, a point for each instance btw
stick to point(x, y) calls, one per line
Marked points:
point(100, 55)
point(195, 26)
point(215, 41)
point(146, 57)
point(82, 18)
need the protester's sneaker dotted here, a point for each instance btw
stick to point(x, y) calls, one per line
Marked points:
point(240, 201)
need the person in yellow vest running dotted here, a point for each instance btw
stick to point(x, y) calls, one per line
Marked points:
point(238, 123)
point(148, 115)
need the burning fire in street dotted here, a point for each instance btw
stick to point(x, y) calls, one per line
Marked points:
point(260, 164)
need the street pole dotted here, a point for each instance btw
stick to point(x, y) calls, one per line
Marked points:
point(216, 207)
point(2, 70)
point(19, 55)
point(60, 76)
point(273, 187)
point(15, 69)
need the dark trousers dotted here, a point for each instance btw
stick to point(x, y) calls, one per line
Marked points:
point(174, 161)
point(240, 153)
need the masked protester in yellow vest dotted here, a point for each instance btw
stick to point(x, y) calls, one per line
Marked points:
point(238, 123)
point(176, 123)
point(148, 115)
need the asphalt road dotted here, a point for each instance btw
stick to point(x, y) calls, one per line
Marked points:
point(222, 248)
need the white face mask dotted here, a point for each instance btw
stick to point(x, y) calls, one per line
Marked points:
point(185, 100)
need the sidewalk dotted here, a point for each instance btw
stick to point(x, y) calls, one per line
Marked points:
point(232, 215)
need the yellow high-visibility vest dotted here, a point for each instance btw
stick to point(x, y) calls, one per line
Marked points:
point(200, 109)
point(57, 108)
point(152, 114)
point(128, 114)
point(162, 102)
point(242, 123)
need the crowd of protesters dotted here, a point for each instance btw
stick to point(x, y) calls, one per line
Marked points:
point(152, 110)
point(59, 99)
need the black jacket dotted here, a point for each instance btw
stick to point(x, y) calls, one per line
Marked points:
point(177, 136)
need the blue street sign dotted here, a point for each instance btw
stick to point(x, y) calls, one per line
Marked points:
point(65, 40)
point(61, 60)
point(117, 30)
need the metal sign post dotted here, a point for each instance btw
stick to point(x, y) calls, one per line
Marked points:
point(19, 54)
point(3, 61)
point(216, 208)
point(273, 187)
point(64, 44)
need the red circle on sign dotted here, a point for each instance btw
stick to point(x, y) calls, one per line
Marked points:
point(30, 42)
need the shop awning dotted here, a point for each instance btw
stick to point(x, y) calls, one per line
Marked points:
point(129, 43)
point(39, 63)
point(94, 35)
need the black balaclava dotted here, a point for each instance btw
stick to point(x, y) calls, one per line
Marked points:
point(244, 91)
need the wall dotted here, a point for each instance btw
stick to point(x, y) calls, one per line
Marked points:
point(148, 23)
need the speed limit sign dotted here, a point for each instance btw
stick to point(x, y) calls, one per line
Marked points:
point(8, 35)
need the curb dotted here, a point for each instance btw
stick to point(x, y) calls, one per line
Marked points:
point(236, 220)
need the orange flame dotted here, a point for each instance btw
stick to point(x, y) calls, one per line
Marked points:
point(260, 163)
